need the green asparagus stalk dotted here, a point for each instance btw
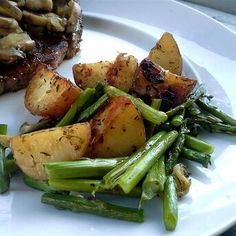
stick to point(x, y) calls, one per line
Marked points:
point(154, 181)
point(3, 129)
point(37, 184)
point(84, 168)
point(174, 153)
point(149, 113)
point(199, 157)
point(87, 113)
point(170, 204)
point(111, 178)
point(4, 175)
point(194, 110)
point(198, 145)
point(11, 166)
point(80, 102)
point(137, 171)
point(87, 185)
point(178, 119)
point(150, 127)
point(96, 207)
point(217, 127)
point(215, 111)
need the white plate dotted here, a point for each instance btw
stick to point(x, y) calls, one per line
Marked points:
point(133, 27)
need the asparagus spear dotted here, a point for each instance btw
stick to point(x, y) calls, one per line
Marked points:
point(170, 204)
point(83, 168)
point(198, 145)
point(87, 113)
point(37, 184)
point(96, 207)
point(80, 102)
point(154, 181)
point(150, 127)
point(11, 166)
point(217, 127)
point(178, 119)
point(149, 113)
point(87, 185)
point(174, 153)
point(110, 179)
point(194, 110)
point(4, 175)
point(215, 111)
point(137, 171)
point(199, 157)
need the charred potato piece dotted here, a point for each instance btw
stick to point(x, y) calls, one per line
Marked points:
point(117, 130)
point(166, 54)
point(49, 94)
point(119, 73)
point(66, 143)
point(154, 81)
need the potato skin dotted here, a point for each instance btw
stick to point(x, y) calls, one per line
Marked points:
point(117, 130)
point(87, 75)
point(49, 94)
point(34, 149)
point(166, 54)
point(122, 72)
point(154, 81)
point(119, 73)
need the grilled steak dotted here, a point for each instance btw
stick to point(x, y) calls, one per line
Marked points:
point(51, 48)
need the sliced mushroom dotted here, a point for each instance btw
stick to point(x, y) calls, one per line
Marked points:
point(36, 5)
point(8, 23)
point(50, 20)
point(182, 181)
point(74, 16)
point(20, 41)
point(14, 46)
point(10, 55)
point(61, 8)
point(8, 8)
point(5, 32)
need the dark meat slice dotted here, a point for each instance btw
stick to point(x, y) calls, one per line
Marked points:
point(51, 49)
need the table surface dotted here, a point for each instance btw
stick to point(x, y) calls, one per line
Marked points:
point(228, 20)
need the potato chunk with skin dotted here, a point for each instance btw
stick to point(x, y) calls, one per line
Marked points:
point(66, 143)
point(122, 72)
point(156, 82)
point(89, 74)
point(49, 94)
point(166, 54)
point(119, 73)
point(117, 130)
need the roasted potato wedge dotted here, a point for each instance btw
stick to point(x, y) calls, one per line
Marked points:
point(122, 72)
point(119, 73)
point(89, 74)
point(34, 149)
point(49, 94)
point(117, 130)
point(166, 54)
point(156, 82)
